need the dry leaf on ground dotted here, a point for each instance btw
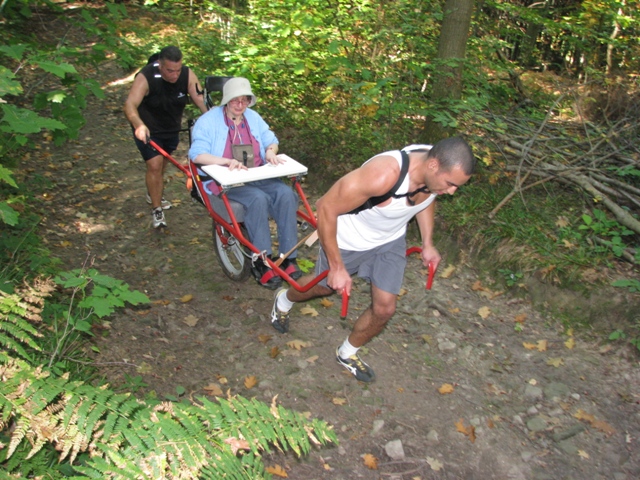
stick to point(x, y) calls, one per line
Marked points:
point(570, 343)
point(338, 401)
point(601, 425)
point(542, 345)
point(190, 320)
point(213, 389)
point(484, 312)
point(555, 362)
point(275, 351)
point(277, 470)
point(469, 431)
point(264, 338)
point(436, 465)
point(186, 298)
point(309, 311)
point(447, 272)
point(250, 381)
point(370, 461)
point(326, 303)
point(297, 344)
point(445, 388)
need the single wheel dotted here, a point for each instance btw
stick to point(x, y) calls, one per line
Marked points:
point(234, 258)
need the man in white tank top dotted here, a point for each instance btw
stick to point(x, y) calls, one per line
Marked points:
point(372, 242)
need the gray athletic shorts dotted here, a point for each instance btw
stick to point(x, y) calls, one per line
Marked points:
point(383, 266)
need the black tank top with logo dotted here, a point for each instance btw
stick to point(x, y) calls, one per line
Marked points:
point(161, 110)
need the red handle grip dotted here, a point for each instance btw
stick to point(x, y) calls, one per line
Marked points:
point(345, 304)
point(432, 272)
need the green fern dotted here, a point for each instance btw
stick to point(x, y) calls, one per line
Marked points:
point(126, 438)
point(17, 310)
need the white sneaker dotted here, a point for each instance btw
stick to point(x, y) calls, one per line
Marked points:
point(166, 204)
point(158, 218)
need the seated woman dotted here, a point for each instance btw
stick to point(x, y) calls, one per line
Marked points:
point(234, 127)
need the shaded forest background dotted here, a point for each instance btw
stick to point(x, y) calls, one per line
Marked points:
point(545, 92)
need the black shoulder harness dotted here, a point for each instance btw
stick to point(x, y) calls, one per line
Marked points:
point(373, 201)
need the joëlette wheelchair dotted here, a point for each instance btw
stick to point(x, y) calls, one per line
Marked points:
point(233, 248)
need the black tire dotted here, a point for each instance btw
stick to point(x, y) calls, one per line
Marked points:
point(234, 258)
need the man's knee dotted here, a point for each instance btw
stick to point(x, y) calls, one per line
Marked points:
point(383, 310)
point(155, 165)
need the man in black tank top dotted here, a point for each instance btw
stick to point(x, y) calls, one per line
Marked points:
point(154, 109)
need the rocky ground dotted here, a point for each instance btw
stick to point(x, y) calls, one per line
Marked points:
point(472, 383)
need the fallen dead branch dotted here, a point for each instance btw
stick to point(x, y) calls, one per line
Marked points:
point(601, 160)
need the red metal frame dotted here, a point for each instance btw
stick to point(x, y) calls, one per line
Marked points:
point(234, 227)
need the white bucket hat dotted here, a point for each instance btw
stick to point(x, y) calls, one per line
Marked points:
point(237, 87)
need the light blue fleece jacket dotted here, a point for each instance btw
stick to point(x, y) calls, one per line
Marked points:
point(210, 133)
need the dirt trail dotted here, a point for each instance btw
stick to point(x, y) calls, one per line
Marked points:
point(516, 411)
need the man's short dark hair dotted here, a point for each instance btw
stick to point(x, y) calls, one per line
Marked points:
point(454, 152)
point(171, 53)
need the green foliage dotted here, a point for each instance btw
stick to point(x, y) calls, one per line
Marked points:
point(17, 310)
point(633, 338)
point(632, 285)
point(600, 226)
point(106, 295)
point(112, 433)
point(510, 278)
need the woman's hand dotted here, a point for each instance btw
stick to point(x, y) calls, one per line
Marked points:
point(236, 165)
point(272, 158)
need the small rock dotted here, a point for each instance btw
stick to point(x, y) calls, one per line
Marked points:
point(526, 456)
point(532, 392)
point(556, 390)
point(517, 419)
point(565, 433)
point(341, 450)
point(432, 436)
point(568, 447)
point(575, 396)
point(302, 364)
point(377, 426)
point(394, 450)
point(536, 424)
point(532, 411)
point(264, 384)
point(475, 421)
point(447, 346)
point(619, 476)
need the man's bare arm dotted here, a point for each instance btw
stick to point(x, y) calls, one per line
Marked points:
point(196, 94)
point(372, 179)
point(139, 90)
point(426, 220)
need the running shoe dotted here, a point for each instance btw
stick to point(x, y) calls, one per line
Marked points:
point(158, 218)
point(279, 320)
point(166, 204)
point(357, 368)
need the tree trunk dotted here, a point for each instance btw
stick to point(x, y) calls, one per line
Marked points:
point(447, 80)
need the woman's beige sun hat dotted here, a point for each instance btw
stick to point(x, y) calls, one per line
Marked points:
point(237, 87)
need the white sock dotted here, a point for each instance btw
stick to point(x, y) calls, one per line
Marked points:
point(347, 350)
point(284, 304)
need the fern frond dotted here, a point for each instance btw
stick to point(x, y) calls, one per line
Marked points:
point(125, 438)
point(12, 344)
